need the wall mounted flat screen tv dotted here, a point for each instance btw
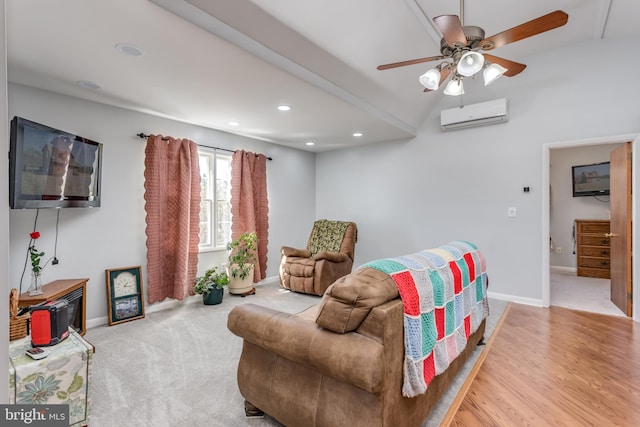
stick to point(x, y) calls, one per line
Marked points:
point(591, 180)
point(50, 168)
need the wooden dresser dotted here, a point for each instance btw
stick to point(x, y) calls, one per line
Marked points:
point(593, 249)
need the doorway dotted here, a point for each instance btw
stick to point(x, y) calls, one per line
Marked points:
point(557, 244)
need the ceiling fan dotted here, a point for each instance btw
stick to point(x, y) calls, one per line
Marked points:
point(461, 45)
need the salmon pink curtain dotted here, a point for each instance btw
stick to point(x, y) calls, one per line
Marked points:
point(172, 203)
point(249, 203)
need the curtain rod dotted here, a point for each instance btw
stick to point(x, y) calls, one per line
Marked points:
point(144, 135)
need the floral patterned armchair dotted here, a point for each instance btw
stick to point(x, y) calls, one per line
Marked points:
point(328, 256)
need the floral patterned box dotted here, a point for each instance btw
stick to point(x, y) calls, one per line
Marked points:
point(63, 377)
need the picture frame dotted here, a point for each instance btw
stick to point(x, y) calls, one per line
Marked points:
point(124, 294)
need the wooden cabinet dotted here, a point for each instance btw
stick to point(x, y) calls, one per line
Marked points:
point(593, 248)
point(74, 291)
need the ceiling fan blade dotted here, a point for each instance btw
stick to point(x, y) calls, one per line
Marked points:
point(512, 67)
point(536, 26)
point(451, 29)
point(444, 73)
point(410, 62)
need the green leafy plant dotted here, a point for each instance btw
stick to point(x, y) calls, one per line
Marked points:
point(211, 279)
point(242, 254)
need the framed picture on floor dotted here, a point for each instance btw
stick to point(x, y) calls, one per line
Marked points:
point(124, 294)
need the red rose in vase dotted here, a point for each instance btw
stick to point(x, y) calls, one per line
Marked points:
point(34, 253)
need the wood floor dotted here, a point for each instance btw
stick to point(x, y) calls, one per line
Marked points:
point(555, 367)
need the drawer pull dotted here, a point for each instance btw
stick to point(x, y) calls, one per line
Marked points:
point(604, 263)
point(604, 252)
point(604, 241)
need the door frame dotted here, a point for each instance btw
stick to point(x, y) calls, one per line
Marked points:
point(635, 239)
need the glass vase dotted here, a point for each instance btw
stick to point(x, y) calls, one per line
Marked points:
point(36, 284)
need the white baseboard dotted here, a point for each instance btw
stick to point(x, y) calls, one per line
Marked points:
point(520, 300)
point(166, 305)
point(98, 321)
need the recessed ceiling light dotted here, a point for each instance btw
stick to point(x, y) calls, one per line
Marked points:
point(233, 124)
point(358, 134)
point(129, 49)
point(88, 85)
point(284, 107)
point(309, 143)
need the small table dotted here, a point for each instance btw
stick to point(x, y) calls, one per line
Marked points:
point(72, 290)
point(63, 377)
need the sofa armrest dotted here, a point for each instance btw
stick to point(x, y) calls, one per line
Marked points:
point(331, 256)
point(351, 357)
point(288, 251)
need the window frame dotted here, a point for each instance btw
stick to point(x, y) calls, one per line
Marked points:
point(214, 155)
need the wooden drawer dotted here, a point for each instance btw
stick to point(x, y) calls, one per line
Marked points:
point(594, 227)
point(596, 262)
point(597, 251)
point(593, 240)
point(594, 272)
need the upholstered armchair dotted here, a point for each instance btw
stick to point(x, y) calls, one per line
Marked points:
point(327, 257)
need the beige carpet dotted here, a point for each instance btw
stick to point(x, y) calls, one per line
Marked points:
point(582, 293)
point(178, 367)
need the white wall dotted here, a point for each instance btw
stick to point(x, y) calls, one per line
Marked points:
point(439, 187)
point(565, 208)
point(112, 236)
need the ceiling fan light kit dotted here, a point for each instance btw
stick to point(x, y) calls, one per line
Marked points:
point(492, 73)
point(454, 88)
point(470, 63)
point(461, 45)
point(430, 79)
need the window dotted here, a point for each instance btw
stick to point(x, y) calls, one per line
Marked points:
point(215, 205)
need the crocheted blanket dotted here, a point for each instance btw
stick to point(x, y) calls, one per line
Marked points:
point(443, 291)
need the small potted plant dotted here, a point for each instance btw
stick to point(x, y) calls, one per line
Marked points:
point(211, 286)
point(242, 255)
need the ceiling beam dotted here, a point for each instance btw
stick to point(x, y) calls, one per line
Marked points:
point(425, 21)
point(271, 41)
point(603, 16)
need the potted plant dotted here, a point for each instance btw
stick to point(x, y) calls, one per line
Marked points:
point(211, 286)
point(242, 254)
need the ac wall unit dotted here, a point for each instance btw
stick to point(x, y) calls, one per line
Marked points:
point(483, 113)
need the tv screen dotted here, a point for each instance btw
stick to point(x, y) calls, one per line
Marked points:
point(591, 180)
point(50, 168)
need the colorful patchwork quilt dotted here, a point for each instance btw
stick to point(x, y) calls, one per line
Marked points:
point(443, 291)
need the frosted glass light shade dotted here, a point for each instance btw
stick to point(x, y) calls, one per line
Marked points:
point(430, 79)
point(470, 63)
point(454, 87)
point(492, 73)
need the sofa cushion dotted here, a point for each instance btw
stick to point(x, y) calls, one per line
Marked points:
point(348, 301)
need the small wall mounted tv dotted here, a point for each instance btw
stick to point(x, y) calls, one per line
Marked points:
point(50, 168)
point(591, 180)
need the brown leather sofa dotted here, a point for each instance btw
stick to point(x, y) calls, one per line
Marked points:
point(326, 258)
point(338, 363)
